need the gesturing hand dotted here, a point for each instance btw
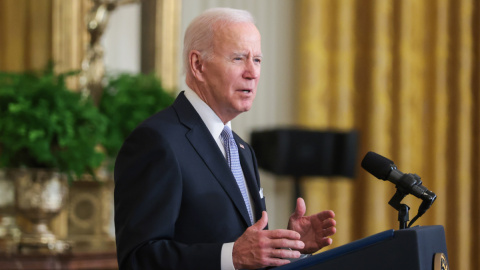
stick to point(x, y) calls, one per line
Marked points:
point(314, 230)
point(258, 248)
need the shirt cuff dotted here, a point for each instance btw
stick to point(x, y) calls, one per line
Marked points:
point(227, 257)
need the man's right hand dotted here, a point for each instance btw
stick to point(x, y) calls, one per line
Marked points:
point(258, 248)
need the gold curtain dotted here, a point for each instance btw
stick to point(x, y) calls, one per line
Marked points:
point(25, 38)
point(167, 28)
point(405, 74)
point(159, 42)
point(34, 32)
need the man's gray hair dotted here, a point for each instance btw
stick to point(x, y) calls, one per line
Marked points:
point(199, 34)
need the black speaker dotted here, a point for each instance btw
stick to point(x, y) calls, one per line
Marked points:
point(302, 152)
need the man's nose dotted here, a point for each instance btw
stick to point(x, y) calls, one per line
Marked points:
point(252, 70)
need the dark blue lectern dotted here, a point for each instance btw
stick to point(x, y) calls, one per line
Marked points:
point(412, 249)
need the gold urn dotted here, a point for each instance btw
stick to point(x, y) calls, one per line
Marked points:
point(39, 196)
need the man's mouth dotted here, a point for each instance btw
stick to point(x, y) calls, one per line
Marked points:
point(246, 91)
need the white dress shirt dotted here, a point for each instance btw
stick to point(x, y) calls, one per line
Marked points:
point(215, 126)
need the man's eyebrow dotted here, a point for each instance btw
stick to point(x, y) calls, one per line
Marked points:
point(246, 55)
point(239, 54)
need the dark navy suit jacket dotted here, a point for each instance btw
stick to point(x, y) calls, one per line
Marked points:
point(176, 200)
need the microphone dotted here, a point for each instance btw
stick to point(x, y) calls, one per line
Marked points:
point(385, 169)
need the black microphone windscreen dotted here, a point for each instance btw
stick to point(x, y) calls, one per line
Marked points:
point(377, 165)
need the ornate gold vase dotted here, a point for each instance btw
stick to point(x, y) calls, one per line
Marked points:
point(9, 231)
point(39, 196)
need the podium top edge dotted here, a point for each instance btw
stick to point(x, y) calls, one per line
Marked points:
point(339, 251)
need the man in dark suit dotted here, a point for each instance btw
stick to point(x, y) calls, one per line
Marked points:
point(186, 198)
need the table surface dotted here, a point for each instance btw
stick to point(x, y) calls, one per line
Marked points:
point(102, 260)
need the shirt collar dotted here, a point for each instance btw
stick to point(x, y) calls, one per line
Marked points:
point(209, 117)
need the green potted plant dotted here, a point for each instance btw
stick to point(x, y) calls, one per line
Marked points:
point(127, 100)
point(47, 133)
point(45, 125)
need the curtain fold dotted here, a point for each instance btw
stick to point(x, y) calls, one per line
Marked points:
point(25, 31)
point(405, 74)
point(32, 33)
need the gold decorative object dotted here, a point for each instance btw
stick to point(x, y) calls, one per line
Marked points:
point(93, 67)
point(90, 215)
point(39, 196)
point(9, 231)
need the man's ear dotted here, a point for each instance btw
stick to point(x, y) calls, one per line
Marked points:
point(196, 64)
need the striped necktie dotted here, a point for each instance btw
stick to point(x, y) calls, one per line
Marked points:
point(233, 160)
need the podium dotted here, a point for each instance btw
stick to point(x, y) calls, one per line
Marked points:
point(417, 248)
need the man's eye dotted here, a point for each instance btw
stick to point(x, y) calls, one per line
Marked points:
point(237, 58)
point(258, 60)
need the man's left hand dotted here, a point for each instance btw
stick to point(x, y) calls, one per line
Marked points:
point(315, 229)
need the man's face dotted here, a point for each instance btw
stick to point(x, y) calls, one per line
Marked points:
point(231, 74)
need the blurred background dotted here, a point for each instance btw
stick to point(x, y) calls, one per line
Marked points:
point(404, 74)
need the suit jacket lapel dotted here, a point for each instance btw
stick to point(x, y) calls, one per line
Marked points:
point(201, 139)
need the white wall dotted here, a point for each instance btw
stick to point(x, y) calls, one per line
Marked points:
point(121, 39)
